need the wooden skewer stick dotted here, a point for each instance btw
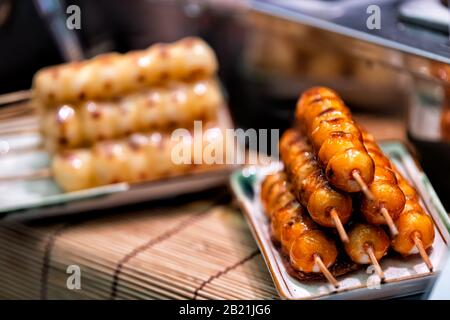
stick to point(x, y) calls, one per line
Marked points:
point(363, 185)
point(14, 114)
point(23, 107)
point(340, 228)
point(373, 259)
point(38, 174)
point(18, 131)
point(422, 252)
point(325, 271)
point(369, 195)
point(23, 150)
point(392, 227)
point(15, 97)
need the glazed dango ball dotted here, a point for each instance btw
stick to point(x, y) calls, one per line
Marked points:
point(309, 245)
point(412, 224)
point(361, 236)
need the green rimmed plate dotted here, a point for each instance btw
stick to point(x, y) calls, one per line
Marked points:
point(404, 276)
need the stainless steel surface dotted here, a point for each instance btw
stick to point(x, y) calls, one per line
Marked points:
point(352, 23)
point(427, 13)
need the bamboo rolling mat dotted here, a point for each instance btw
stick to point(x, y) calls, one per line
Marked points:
point(194, 250)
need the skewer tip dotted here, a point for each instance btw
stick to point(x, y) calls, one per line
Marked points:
point(423, 253)
point(369, 195)
point(392, 227)
point(38, 174)
point(323, 268)
point(363, 185)
point(375, 263)
point(340, 228)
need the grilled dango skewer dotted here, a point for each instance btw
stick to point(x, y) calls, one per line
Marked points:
point(112, 75)
point(386, 200)
point(156, 109)
point(327, 206)
point(309, 249)
point(335, 138)
point(140, 157)
point(415, 228)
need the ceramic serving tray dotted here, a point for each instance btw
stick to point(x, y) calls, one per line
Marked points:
point(35, 198)
point(404, 276)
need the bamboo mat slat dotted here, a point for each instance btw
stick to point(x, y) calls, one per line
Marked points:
point(199, 250)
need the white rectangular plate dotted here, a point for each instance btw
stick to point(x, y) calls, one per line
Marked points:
point(404, 276)
point(23, 199)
